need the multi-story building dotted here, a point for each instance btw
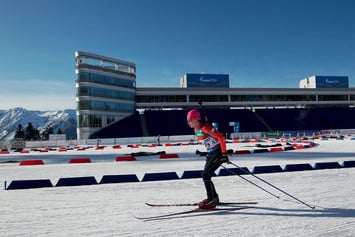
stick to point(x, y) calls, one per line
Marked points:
point(106, 90)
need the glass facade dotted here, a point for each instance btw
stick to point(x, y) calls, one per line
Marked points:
point(208, 98)
point(105, 93)
point(106, 89)
point(105, 79)
point(240, 98)
point(105, 106)
point(273, 97)
point(332, 97)
point(160, 98)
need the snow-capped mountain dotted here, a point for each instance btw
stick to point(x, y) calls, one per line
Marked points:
point(63, 119)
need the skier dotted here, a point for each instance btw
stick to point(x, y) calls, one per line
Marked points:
point(215, 144)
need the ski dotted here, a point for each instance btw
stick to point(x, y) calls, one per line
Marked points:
point(195, 210)
point(196, 204)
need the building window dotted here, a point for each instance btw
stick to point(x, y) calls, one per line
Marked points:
point(332, 97)
point(208, 98)
point(105, 80)
point(92, 121)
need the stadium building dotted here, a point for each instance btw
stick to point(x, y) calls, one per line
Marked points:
point(110, 106)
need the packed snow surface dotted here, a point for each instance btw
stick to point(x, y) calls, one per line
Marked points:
point(110, 209)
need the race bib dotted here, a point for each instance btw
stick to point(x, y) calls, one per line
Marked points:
point(210, 143)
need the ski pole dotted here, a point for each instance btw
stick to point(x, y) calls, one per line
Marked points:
point(313, 207)
point(251, 182)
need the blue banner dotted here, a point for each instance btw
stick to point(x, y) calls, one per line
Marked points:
point(207, 80)
point(332, 82)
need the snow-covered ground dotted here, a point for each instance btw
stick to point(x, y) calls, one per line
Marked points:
point(110, 209)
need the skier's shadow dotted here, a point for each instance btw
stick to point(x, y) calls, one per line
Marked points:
point(317, 212)
point(272, 211)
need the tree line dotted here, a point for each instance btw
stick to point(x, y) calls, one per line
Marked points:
point(32, 134)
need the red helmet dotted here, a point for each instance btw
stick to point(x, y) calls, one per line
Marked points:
point(193, 115)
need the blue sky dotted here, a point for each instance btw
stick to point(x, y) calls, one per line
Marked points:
point(259, 43)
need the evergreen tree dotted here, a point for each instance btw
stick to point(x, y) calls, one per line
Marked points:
point(59, 131)
point(36, 137)
point(31, 134)
point(20, 132)
point(47, 131)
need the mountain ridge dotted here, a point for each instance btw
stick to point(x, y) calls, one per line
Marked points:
point(63, 119)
